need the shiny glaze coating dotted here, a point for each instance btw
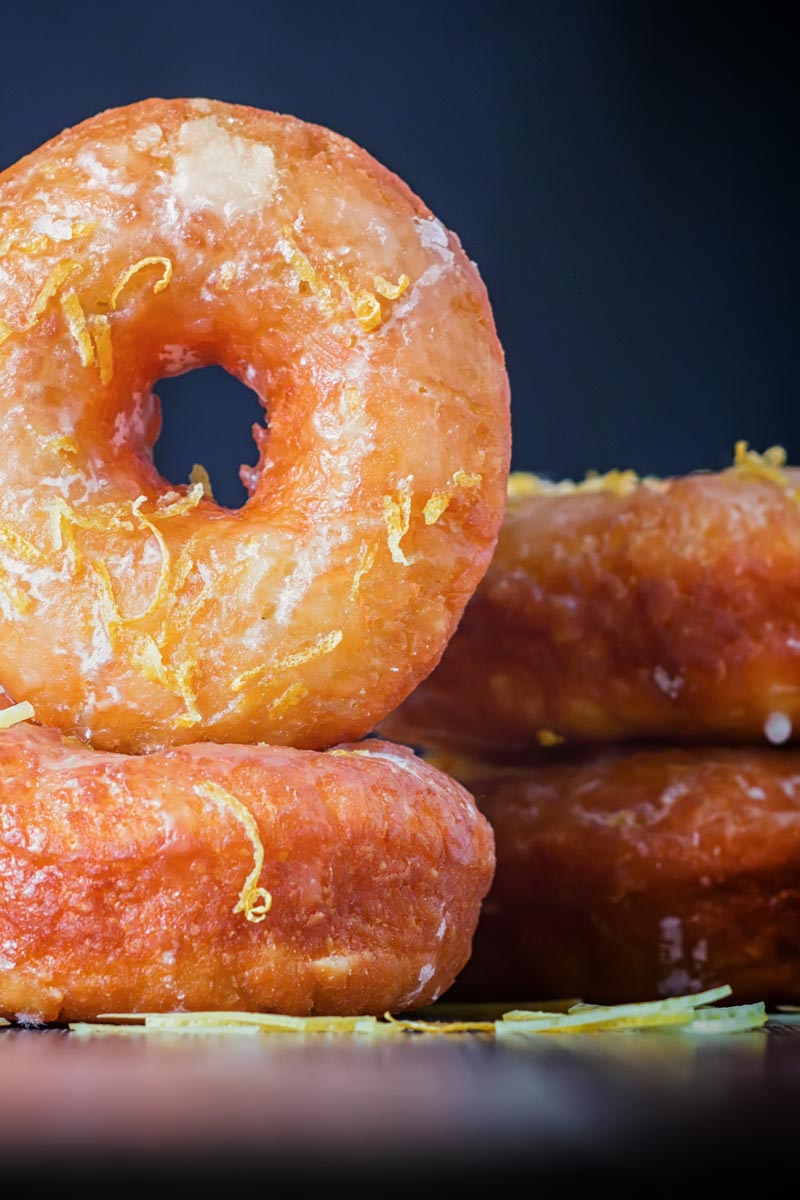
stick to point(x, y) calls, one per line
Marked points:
point(671, 611)
point(172, 234)
point(629, 874)
point(121, 879)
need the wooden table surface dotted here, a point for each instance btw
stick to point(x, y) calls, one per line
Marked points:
point(140, 1109)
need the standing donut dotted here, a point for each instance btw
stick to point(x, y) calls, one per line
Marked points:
point(172, 234)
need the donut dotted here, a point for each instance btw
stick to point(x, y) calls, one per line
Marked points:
point(629, 873)
point(136, 614)
point(215, 877)
point(623, 609)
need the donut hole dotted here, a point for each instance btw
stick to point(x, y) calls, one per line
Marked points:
point(207, 418)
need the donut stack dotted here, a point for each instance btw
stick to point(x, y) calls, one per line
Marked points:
point(622, 697)
point(176, 830)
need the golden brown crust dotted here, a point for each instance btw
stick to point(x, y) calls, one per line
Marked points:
point(628, 874)
point(121, 879)
point(653, 611)
point(170, 234)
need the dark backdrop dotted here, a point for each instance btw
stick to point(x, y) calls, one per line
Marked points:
point(622, 173)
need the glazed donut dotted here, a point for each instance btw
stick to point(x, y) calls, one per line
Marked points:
point(172, 234)
point(631, 874)
point(231, 877)
point(625, 609)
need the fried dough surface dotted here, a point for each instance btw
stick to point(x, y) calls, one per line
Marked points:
point(175, 233)
point(230, 877)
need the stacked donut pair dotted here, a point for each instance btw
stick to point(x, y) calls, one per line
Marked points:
point(176, 830)
point(622, 697)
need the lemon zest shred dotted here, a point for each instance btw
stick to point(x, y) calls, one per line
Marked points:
point(231, 1022)
point(101, 334)
point(366, 561)
point(18, 546)
point(5, 332)
point(522, 484)
point(188, 694)
point(390, 291)
point(76, 323)
point(446, 1027)
point(255, 902)
point(199, 474)
point(324, 644)
point(292, 696)
point(16, 714)
point(143, 652)
point(61, 443)
point(56, 280)
point(162, 585)
point(180, 507)
point(367, 309)
point(301, 265)
point(18, 599)
point(546, 737)
point(439, 501)
point(766, 466)
point(128, 274)
point(397, 517)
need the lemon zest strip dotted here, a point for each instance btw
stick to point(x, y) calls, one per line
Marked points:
point(76, 323)
point(128, 274)
point(16, 714)
point(199, 474)
point(439, 501)
point(324, 644)
point(255, 902)
point(397, 517)
point(101, 334)
point(390, 291)
point(366, 561)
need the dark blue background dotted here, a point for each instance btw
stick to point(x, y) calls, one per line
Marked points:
point(622, 172)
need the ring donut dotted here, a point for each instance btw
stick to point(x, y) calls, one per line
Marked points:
point(231, 877)
point(628, 874)
point(172, 234)
point(628, 609)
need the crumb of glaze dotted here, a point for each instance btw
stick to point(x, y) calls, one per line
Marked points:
point(254, 901)
point(147, 137)
point(226, 275)
point(777, 728)
point(218, 169)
